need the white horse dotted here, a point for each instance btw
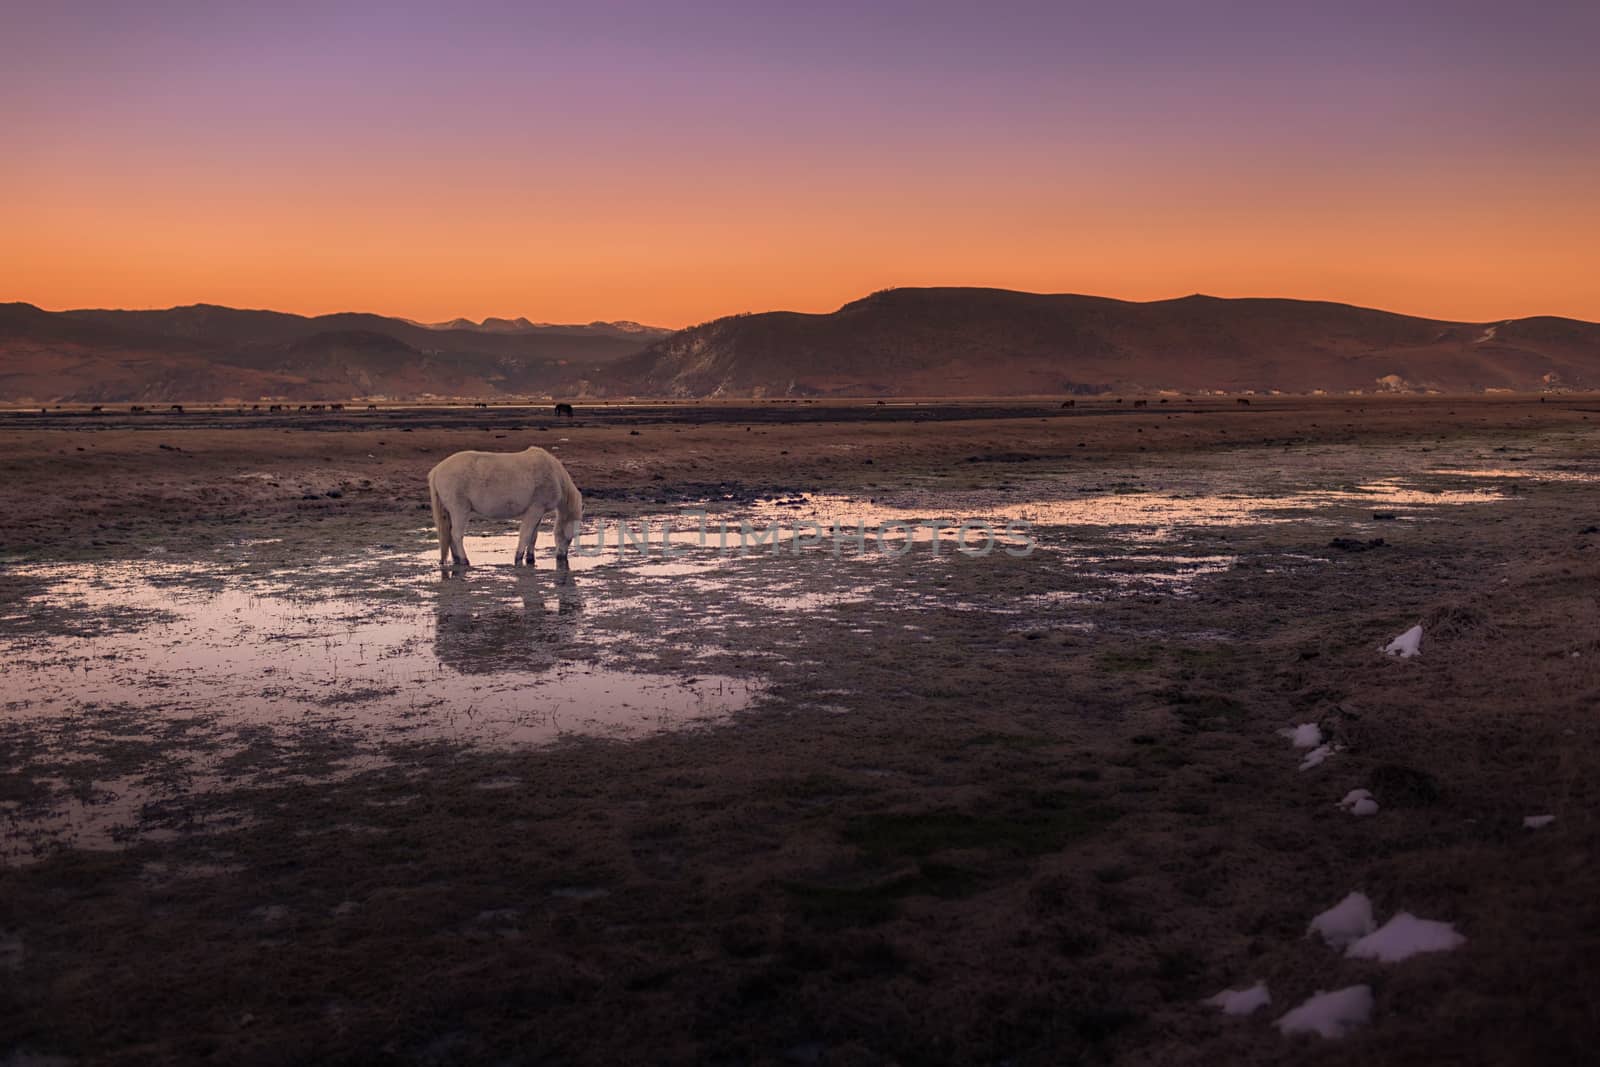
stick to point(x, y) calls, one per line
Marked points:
point(503, 485)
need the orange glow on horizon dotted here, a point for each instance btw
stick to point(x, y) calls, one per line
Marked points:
point(698, 267)
point(673, 169)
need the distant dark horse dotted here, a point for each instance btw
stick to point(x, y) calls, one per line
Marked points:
point(564, 409)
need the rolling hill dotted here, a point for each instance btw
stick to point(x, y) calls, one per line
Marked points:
point(933, 342)
point(205, 352)
point(899, 342)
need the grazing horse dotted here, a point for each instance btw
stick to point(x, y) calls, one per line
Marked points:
point(1069, 403)
point(503, 485)
point(564, 409)
point(1244, 402)
point(1141, 403)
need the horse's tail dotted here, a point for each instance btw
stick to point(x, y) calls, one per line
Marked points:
point(441, 518)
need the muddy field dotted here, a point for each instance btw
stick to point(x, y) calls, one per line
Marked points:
point(276, 789)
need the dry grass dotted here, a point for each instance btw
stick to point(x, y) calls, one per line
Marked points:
point(1032, 845)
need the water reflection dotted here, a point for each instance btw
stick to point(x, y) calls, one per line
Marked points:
point(132, 685)
point(210, 680)
point(478, 630)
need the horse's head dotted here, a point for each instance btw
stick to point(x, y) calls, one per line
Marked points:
point(569, 521)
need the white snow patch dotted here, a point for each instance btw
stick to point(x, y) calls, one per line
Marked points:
point(1306, 735)
point(1332, 1014)
point(1242, 1001)
point(1405, 936)
point(1317, 755)
point(1537, 822)
point(1407, 644)
point(1359, 802)
point(1345, 922)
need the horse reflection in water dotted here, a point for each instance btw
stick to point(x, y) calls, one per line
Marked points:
point(481, 627)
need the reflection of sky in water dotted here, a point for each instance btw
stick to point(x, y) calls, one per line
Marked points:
point(382, 647)
point(1535, 474)
point(483, 659)
point(488, 654)
point(1128, 506)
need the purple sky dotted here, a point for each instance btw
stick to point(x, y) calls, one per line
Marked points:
point(679, 161)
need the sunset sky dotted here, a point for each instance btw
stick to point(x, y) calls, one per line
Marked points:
point(672, 162)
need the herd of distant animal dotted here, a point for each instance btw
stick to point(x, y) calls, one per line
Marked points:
point(562, 409)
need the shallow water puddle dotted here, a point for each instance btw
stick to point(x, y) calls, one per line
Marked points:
point(139, 682)
point(1531, 474)
point(1154, 514)
point(131, 686)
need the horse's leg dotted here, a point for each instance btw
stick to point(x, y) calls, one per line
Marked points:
point(563, 542)
point(524, 535)
point(441, 522)
point(529, 534)
point(458, 533)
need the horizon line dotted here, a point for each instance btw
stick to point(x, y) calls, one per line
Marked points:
point(425, 324)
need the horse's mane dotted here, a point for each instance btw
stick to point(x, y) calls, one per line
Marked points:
point(571, 499)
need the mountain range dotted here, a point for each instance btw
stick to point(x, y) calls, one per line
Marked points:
point(997, 342)
point(897, 342)
point(205, 352)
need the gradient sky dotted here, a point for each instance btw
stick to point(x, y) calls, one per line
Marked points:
point(675, 162)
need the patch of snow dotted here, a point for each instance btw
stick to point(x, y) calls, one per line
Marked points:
point(1317, 755)
point(1359, 802)
point(1405, 936)
point(1537, 822)
point(1346, 922)
point(1407, 644)
point(1241, 1001)
point(1332, 1015)
point(1488, 335)
point(1306, 735)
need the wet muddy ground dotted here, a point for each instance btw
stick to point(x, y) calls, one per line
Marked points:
point(277, 788)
